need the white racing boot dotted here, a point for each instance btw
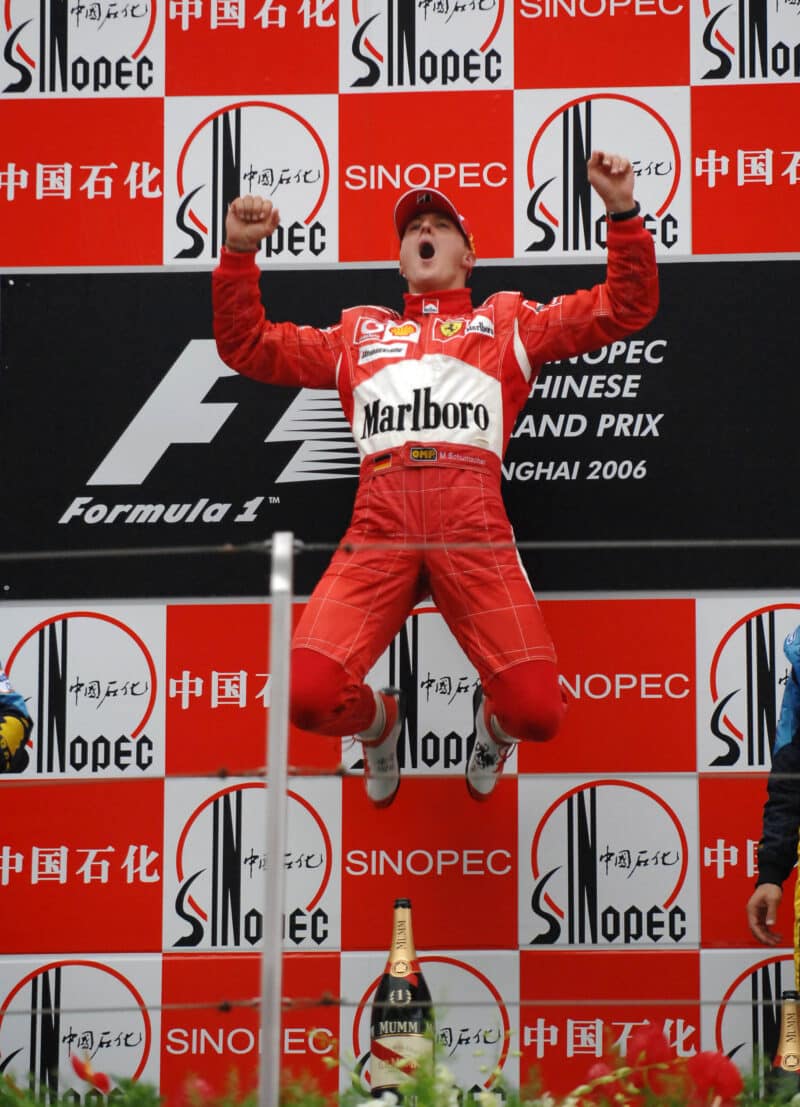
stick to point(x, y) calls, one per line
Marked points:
point(381, 766)
point(488, 756)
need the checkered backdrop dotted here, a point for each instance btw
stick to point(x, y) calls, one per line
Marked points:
point(605, 882)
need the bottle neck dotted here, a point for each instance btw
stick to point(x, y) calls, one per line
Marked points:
point(789, 1023)
point(787, 1056)
point(402, 954)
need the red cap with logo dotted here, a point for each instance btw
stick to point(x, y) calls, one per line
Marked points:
point(419, 200)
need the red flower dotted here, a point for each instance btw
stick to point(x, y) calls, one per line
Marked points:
point(605, 1091)
point(85, 1071)
point(195, 1092)
point(647, 1047)
point(714, 1074)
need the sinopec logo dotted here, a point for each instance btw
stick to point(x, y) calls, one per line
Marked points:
point(91, 683)
point(746, 679)
point(45, 1019)
point(446, 45)
point(473, 1027)
point(220, 870)
point(99, 49)
point(562, 213)
point(264, 147)
point(609, 861)
point(747, 1021)
point(746, 40)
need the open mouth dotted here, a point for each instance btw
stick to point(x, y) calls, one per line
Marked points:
point(426, 250)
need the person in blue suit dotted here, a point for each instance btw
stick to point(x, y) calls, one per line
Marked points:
point(779, 843)
point(15, 727)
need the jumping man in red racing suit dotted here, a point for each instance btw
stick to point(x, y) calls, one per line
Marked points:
point(432, 396)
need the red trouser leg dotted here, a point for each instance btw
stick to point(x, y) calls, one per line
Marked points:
point(325, 698)
point(451, 526)
point(353, 614)
point(479, 583)
point(527, 700)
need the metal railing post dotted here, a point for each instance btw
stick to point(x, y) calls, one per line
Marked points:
point(277, 774)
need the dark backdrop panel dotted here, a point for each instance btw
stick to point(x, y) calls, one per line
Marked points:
point(699, 450)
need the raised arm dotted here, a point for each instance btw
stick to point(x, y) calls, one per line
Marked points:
point(624, 302)
point(277, 353)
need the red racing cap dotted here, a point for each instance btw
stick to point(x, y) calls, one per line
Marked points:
point(419, 200)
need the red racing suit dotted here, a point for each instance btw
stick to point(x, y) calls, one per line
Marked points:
point(432, 397)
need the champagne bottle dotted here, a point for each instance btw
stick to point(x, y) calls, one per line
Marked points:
point(785, 1072)
point(401, 1022)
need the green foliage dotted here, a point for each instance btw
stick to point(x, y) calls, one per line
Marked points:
point(647, 1083)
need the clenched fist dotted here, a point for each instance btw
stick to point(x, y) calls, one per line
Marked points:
point(249, 220)
point(611, 176)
